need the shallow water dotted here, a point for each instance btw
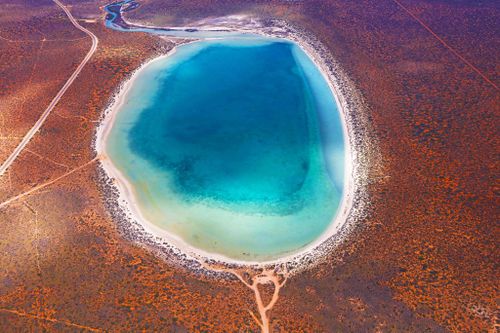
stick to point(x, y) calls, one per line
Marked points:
point(114, 20)
point(234, 146)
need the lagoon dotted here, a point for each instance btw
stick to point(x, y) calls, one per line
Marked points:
point(232, 147)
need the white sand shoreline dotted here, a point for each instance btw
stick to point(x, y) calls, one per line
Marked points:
point(128, 203)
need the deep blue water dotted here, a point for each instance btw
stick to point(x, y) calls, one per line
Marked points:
point(225, 124)
point(233, 146)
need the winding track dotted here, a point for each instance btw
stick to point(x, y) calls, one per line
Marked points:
point(56, 99)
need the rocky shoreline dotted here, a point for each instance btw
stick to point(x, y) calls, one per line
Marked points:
point(361, 154)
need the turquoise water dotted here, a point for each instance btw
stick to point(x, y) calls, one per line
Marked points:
point(234, 146)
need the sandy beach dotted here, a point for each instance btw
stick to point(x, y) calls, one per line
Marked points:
point(174, 244)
